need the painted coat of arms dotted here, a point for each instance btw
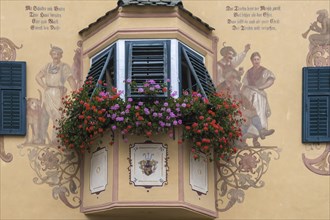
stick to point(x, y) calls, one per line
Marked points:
point(148, 165)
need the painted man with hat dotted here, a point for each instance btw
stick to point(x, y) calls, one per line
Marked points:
point(228, 77)
point(52, 78)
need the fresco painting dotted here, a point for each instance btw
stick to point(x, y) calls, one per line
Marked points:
point(7, 53)
point(246, 168)
point(318, 35)
point(53, 167)
point(52, 79)
point(251, 84)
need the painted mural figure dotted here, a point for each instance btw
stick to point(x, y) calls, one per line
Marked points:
point(77, 66)
point(323, 31)
point(229, 77)
point(33, 113)
point(252, 124)
point(255, 81)
point(232, 83)
point(52, 79)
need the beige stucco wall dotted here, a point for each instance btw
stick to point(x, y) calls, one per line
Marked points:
point(291, 191)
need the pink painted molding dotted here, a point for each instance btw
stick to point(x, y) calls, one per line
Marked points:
point(153, 204)
point(165, 15)
point(149, 15)
point(82, 184)
point(215, 41)
point(181, 168)
point(115, 169)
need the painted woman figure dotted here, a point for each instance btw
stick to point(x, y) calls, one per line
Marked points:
point(52, 79)
point(255, 81)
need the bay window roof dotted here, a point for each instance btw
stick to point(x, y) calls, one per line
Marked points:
point(127, 3)
point(150, 2)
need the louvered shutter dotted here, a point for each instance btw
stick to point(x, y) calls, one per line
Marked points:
point(316, 104)
point(99, 66)
point(12, 98)
point(147, 60)
point(199, 72)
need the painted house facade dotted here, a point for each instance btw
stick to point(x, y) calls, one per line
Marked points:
point(271, 56)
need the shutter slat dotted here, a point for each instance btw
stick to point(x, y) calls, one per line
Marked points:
point(11, 111)
point(12, 98)
point(147, 61)
point(98, 68)
point(316, 104)
point(318, 80)
point(199, 72)
point(11, 74)
point(318, 118)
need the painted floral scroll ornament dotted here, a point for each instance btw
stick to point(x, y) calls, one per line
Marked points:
point(243, 171)
point(8, 49)
point(56, 169)
point(6, 157)
point(319, 165)
point(319, 56)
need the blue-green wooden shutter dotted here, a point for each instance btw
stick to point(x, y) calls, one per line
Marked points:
point(147, 60)
point(99, 66)
point(316, 104)
point(12, 98)
point(198, 71)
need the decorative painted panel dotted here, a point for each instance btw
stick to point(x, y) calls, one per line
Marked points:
point(199, 173)
point(148, 164)
point(99, 171)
